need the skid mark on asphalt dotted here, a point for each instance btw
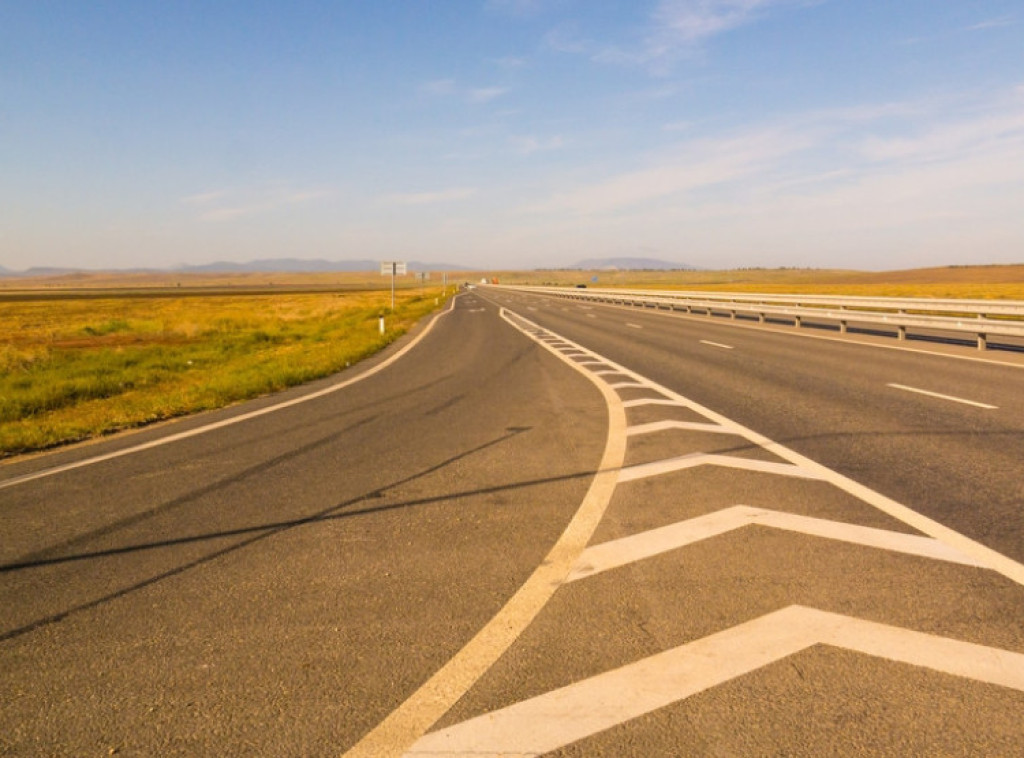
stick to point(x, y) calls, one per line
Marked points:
point(577, 711)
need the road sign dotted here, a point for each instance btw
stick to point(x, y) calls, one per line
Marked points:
point(394, 268)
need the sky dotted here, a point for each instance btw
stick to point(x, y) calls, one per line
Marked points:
point(511, 134)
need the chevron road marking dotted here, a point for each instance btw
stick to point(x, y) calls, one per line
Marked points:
point(569, 714)
point(644, 470)
point(610, 555)
point(661, 426)
point(563, 716)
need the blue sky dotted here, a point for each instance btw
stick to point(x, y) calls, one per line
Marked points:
point(861, 134)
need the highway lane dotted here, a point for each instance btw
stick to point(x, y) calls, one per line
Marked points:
point(738, 598)
point(834, 401)
point(309, 580)
point(277, 586)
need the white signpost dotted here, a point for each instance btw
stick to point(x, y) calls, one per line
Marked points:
point(395, 268)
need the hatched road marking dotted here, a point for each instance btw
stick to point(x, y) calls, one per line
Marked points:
point(551, 721)
point(565, 715)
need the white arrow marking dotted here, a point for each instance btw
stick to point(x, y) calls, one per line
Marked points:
point(558, 718)
point(610, 555)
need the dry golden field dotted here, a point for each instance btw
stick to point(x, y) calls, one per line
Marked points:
point(87, 354)
point(79, 363)
point(1001, 282)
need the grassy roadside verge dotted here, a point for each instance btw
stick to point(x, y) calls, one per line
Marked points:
point(72, 369)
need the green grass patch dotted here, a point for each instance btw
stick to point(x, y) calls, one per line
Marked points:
point(71, 369)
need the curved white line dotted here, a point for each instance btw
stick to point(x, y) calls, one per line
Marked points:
point(423, 708)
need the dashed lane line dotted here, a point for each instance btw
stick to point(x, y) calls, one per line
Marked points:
point(716, 344)
point(558, 718)
point(940, 396)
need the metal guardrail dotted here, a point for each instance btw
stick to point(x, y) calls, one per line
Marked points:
point(961, 317)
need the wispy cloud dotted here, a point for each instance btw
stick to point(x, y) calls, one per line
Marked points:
point(992, 23)
point(223, 205)
point(203, 198)
point(431, 198)
point(485, 94)
point(809, 159)
point(528, 145)
point(450, 88)
point(518, 8)
point(679, 28)
point(438, 87)
point(691, 21)
point(693, 166)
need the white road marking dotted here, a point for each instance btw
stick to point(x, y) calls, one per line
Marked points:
point(716, 344)
point(648, 400)
point(550, 721)
point(943, 397)
point(424, 707)
point(670, 465)
point(234, 419)
point(591, 315)
point(610, 555)
point(661, 426)
point(634, 326)
point(993, 559)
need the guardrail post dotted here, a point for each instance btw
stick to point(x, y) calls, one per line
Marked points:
point(761, 318)
point(901, 332)
point(732, 315)
point(842, 327)
point(982, 341)
point(796, 321)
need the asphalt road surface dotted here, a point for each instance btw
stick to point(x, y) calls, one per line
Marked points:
point(543, 528)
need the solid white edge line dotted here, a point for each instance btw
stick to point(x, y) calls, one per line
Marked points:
point(943, 397)
point(43, 473)
point(410, 721)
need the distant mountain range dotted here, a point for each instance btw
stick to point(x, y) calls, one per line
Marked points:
point(629, 264)
point(269, 265)
point(301, 265)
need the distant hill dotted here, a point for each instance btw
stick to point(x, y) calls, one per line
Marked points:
point(629, 264)
point(270, 265)
point(37, 271)
point(301, 265)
